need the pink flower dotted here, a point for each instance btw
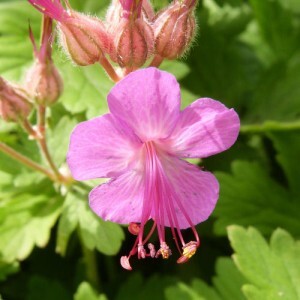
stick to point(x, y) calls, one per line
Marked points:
point(141, 144)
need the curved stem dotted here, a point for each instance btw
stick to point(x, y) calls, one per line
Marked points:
point(109, 69)
point(156, 61)
point(270, 126)
point(25, 160)
point(44, 149)
point(90, 260)
point(28, 128)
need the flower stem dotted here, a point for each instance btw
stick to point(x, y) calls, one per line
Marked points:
point(25, 160)
point(90, 260)
point(270, 126)
point(109, 69)
point(28, 128)
point(41, 119)
point(156, 61)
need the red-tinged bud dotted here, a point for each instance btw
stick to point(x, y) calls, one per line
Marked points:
point(43, 81)
point(133, 43)
point(83, 37)
point(133, 36)
point(14, 105)
point(174, 29)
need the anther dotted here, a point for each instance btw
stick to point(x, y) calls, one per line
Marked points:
point(141, 251)
point(134, 228)
point(188, 251)
point(152, 250)
point(125, 263)
point(164, 251)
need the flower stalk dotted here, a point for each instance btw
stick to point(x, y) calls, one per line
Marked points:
point(25, 161)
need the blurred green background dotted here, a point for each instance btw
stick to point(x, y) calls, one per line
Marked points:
point(246, 55)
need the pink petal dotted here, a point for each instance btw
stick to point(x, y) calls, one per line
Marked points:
point(206, 127)
point(192, 190)
point(101, 147)
point(120, 200)
point(149, 101)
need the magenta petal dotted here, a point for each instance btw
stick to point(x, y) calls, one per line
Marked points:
point(204, 128)
point(120, 200)
point(101, 147)
point(194, 191)
point(149, 101)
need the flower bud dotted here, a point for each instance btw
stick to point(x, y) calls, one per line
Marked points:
point(13, 102)
point(133, 43)
point(174, 29)
point(134, 38)
point(44, 83)
point(84, 38)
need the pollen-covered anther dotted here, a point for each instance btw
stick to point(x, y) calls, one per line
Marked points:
point(125, 263)
point(164, 251)
point(141, 251)
point(152, 250)
point(134, 228)
point(188, 251)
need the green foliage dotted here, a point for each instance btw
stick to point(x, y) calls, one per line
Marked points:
point(106, 237)
point(250, 197)
point(246, 54)
point(85, 291)
point(26, 221)
point(271, 270)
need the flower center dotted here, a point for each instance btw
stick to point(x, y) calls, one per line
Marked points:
point(162, 204)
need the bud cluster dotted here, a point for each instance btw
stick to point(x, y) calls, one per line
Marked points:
point(131, 33)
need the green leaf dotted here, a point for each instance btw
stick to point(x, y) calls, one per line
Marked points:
point(228, 281)
point(136, 288)
point(7, 268)
point(250, 197)
point(15, 46)
point(277, 94)
point(282, 36)
point(287, 144)
point(222, 66)
point(58, 139)
point(86, 292)
point(94, 232)
point(26, 221)
point(272, 269)
point(226, 285)
point(43, 288)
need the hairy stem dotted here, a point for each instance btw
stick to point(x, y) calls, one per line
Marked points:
point(109, 69)
point(25, 160)
point(156, 61)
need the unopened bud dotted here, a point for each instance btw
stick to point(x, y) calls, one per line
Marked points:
point(44, 83)
point(14, 105)
point(133, 43)
point(174, 29)
point(133, 37)
point(83, 37)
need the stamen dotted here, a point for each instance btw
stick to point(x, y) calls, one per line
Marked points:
point(188, 251)
point(164, 251)
point(141, 251)
point(125, 263)
point(134, 228)
point(152, 250)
